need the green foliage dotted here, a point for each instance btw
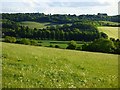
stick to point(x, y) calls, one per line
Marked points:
point(71, 45)
point(103, 35)
point(34, 42)
point(101, 45)
point(51, 45)
point(75, 31)
point(57, 46)
point(79, 48)
point(117, 45)
point(10, 39)
point(58, 18)
point(25, 41)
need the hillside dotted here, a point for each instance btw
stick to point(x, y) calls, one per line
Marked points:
point(33, 25)
point(31, 66)
point(110, 31)
point(109, 23)
point(38, 25)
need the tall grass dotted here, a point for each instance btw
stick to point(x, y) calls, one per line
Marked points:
point(25, 66)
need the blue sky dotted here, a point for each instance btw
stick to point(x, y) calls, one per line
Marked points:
point(60, 6)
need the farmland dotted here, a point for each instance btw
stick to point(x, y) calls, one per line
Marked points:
point(37, 25)
point(109, 23)
point(112, 32)
point(25, 66)
point(61, 44)
point(34, 24)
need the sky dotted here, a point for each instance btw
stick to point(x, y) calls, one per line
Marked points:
point(77, 7)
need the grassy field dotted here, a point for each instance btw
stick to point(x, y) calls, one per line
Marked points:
point(41, 67)
point(61, 44)
point(110, 23)
point(37, 25)
point(110, 31)
point(32, 25)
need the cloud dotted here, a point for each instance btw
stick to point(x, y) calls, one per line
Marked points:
point(61, 7)
point(77, 4)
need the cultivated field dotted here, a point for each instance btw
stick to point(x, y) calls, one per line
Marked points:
point(26, 66)
point(110, 31)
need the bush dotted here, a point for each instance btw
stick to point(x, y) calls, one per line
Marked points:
point(25, 41)
point(71, 45)
point(51, 45)
point(10, 39)
point(101, 45)
point(117, 45)
point(79, 48)
point(57, 46)
point(103, 35)
point(33, 42)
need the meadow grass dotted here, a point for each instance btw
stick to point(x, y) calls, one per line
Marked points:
point(38, 25)
point(111, 23)
point(33, 25)
point(25, 66)
point(61, 44)
point(112, 32)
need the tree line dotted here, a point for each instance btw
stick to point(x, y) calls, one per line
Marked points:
point(76, 31)
point(57, 18)
point(100, 45)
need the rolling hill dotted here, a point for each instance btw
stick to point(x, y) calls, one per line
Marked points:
point(109, 23)
point(33, 25)
point(37, 25)
point(25, 66)
point(112, 32)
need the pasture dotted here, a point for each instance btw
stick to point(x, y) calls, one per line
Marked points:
point(112, 32)
point(25, 66)
point(109, 23)
point(33, 25)
point(37, 25)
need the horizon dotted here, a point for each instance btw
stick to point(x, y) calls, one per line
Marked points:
point(78, 7)
point(56, 13)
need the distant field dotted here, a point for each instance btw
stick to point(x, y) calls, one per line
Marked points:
point(110, 31)
point(25, 66)
point(37, 25)
point(108, 22)
point(62, 44)
point(32, 25)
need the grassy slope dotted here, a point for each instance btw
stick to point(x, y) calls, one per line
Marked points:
point(37, 25)
point(32, 66)
point(110, 31)
point(32, 25)
point(108, 22)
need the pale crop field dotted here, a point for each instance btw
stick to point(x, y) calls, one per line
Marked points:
point(112, 32)
point(25, 66)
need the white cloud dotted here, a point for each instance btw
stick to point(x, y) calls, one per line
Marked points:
point(106, 6)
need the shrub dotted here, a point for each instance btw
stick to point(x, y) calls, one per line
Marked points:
point(33, 42)
point(103, 35)
point(79, 48)
point(10, 39)
point(101, 45)
point(57, 46)
point(25, 41)
point(51, 45)
point(71, 45)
